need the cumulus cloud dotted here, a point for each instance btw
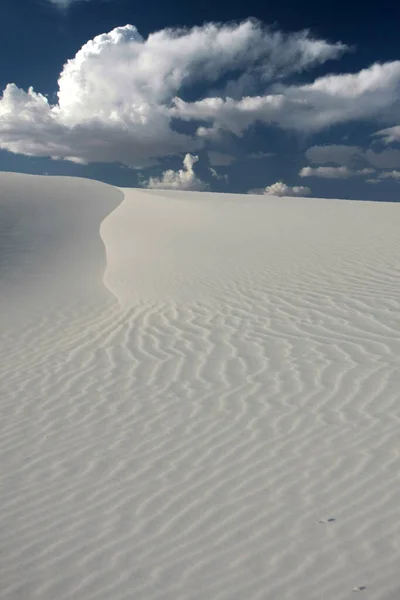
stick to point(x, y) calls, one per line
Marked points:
point(115, 96)
point(281, 189)
point(353, 155)
point(119, 97)
point(104, 112)
point(184, 179)
point(342, 172)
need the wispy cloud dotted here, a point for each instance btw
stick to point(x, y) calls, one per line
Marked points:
point(389, 175)
point(390, 135)
point(64, 3)
point(385, 175)
point(342, 172)
point(217, 176)
point(329, 100)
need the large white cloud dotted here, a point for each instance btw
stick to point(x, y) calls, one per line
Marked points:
point(114, 98)
point(109, 108)
point(184, 179)
point(119, 96)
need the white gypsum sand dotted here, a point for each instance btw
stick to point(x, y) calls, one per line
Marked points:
point(216, 420)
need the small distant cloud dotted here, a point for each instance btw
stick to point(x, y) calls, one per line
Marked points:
point(348, 158)
point(389, 175)
point(385, 175)
point(281, 189)
point(219, 159)
point(64, 3)
point(352, 156)
point(74, 159)
point(389, 135)
point(342, 172)
point(218, 176)
point(184, 179)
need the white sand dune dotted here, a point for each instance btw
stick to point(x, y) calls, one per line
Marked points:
point(216, 419)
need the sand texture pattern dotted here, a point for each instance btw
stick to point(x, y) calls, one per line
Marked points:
point(200, 395)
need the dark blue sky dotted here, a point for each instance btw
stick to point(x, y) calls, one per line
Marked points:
point(38, 38)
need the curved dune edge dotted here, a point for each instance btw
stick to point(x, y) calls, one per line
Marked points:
point(229, 428)
point(50, 246)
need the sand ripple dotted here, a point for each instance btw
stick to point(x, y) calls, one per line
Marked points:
point(225, 425)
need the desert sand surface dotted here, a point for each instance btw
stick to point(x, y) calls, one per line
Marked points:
point(200, 395)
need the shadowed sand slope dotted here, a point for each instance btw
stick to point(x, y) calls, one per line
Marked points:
point(50, 246)
point(225, 423)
